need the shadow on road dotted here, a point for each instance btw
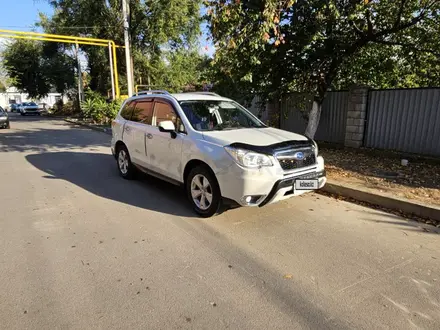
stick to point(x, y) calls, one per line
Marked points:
point(403, 223)
point(46, 139)
point(97, 173)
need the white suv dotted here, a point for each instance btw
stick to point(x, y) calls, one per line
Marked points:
point(215, 148)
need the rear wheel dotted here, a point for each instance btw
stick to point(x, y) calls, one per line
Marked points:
point(203, 191)
point(125, 167)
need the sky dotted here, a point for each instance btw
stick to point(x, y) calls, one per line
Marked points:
point(23, 14)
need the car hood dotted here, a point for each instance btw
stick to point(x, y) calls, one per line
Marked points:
point(252, 136)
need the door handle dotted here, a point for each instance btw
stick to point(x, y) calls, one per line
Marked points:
point(150, 136)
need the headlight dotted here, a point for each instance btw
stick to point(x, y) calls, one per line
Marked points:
point(248, 158)
point(3, 117)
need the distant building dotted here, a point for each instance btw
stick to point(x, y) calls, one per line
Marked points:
point(12, 95)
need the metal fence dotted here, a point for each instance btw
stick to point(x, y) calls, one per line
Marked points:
point(333, 117)
point(405, 120)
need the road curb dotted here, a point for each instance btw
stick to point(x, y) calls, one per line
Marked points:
point(98, 129)
point(417, 209)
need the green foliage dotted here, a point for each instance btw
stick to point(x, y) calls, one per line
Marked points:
point(312, 46)
point(65, 109)
point(35, 69)
point(2, 87)
point(159, 30)
point(96, 108)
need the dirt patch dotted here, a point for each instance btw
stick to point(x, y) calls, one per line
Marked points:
point(419, 180)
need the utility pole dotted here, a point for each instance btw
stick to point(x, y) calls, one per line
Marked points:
point(80, 83)
point(125, 11)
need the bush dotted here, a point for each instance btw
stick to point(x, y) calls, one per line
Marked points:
point(96, 108)
point(67, 109)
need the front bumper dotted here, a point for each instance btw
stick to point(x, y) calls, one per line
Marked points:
point(267, 185)
point(30, 111)
point(284, 188)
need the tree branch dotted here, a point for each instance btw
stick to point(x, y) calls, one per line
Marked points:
point(411, 46)
point(356, 28)
point(369, 23)
point(399, 15)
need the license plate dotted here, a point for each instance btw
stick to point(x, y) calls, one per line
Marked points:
point(306, 184)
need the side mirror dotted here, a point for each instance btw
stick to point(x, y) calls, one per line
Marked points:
point(167, 126)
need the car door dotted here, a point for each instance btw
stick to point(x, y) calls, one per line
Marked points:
point(165, 149)
point(136, 130)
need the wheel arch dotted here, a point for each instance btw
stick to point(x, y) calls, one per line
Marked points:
point(118, 145)
point(194, 163)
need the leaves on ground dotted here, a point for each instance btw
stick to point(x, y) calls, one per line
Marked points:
point(419, 180)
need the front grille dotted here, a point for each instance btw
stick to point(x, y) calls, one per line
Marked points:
point(290, 163)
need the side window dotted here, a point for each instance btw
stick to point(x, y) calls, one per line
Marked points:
point(164, 111)
point(143, 111)
point(127, 111)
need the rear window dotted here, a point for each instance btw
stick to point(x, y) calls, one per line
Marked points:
point(127, 111)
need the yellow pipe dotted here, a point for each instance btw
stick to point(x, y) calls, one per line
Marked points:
point(67, 39)
point(59, 36)
point(115, 69)
point(52, 39)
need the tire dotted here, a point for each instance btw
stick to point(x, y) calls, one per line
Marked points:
point(202, 180)
point(125, 166)
point(22, 114)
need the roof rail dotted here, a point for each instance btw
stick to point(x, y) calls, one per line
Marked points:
point(153, 92)
point(205, 93)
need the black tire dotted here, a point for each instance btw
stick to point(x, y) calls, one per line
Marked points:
point(130, 171)
point(22, 114)
point(213, 189)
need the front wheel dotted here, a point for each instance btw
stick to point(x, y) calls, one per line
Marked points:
point(203, 191)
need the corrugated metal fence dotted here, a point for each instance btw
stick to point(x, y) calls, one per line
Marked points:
point(406, 120)
point(333, 116)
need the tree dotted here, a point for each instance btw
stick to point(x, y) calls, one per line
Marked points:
point(2, 87)
point(314, 45)
point(158, 30)
point(36, 67)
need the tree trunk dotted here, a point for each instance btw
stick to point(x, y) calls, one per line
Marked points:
point(314, 117)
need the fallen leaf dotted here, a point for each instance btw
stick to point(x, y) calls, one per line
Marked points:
point(288, 276)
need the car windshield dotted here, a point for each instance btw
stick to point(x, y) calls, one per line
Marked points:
point(29, 104)
point(218, 115)
point(1, 110)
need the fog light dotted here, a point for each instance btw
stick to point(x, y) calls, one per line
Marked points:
point(251, 200)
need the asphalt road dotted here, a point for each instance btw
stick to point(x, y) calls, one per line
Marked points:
point(81, 248)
